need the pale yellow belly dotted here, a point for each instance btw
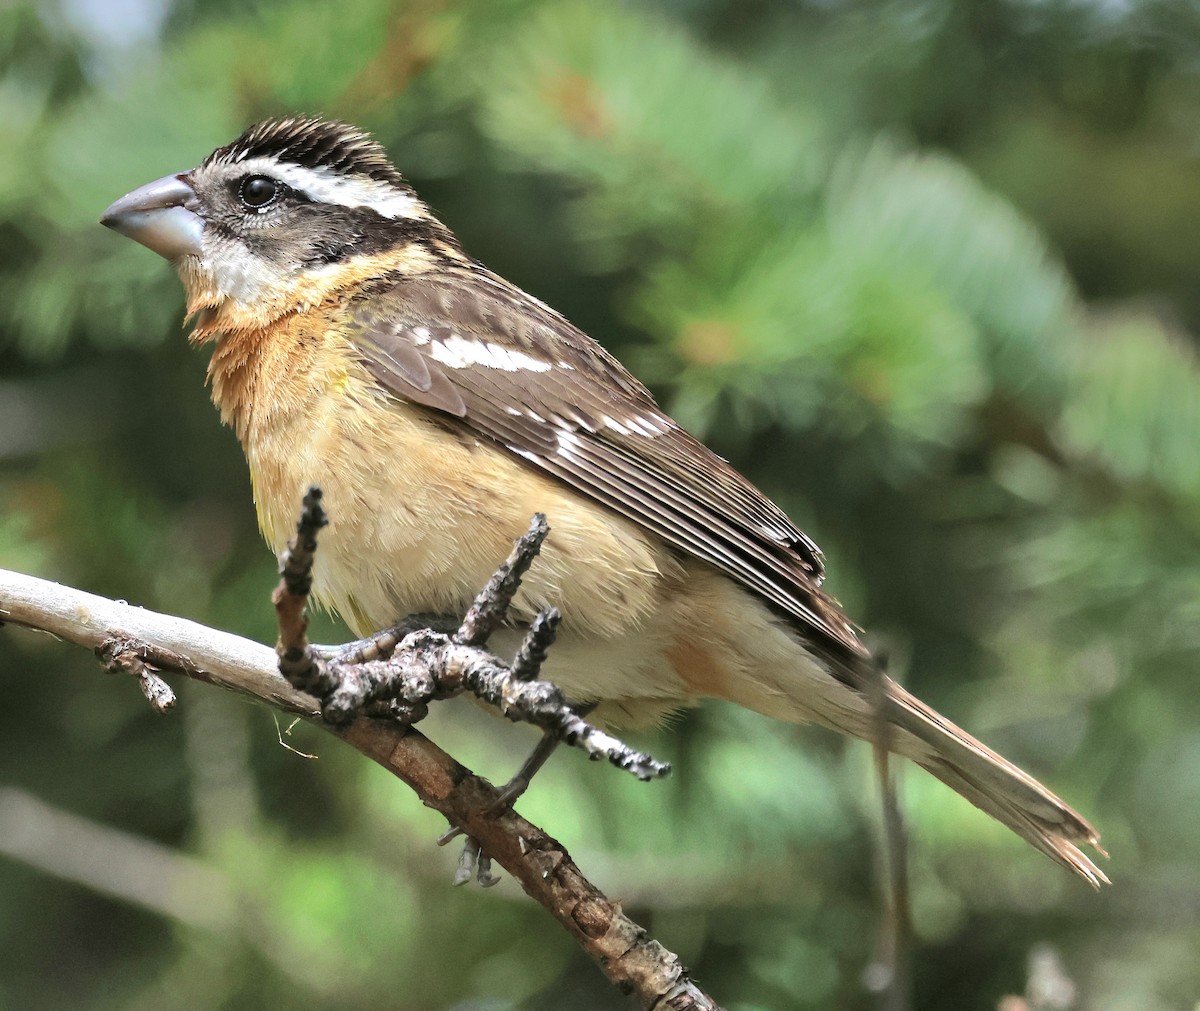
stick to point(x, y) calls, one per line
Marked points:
point(420, 518)
point(421, 525)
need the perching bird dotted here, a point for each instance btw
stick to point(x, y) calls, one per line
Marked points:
point(355, 346)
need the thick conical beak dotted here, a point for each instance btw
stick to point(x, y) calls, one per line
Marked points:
point(159, 215)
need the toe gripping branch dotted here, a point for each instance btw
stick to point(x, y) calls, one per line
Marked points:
point(396, 673)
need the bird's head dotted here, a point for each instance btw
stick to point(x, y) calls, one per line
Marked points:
point(288, 212)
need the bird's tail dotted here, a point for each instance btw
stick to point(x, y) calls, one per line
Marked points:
point(992, 784)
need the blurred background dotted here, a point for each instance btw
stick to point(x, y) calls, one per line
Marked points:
point(925, 269)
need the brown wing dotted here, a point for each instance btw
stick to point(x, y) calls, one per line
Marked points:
point(514, 371)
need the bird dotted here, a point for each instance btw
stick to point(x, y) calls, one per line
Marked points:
point(357, 347)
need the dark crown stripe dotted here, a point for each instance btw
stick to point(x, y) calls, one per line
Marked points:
point(314, 143)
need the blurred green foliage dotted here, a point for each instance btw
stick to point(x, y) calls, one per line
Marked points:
point(926, 270)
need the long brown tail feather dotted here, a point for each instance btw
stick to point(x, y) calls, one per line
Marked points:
point(995, 785)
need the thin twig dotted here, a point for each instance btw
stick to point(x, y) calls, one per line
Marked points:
point(543, 630)
point(280, 732)
point(490, 608)
point(303, 667)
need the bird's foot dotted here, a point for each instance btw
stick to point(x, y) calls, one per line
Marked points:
point(382, 644)
point(473, 861)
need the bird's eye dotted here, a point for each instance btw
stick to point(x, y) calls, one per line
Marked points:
point(258, 191)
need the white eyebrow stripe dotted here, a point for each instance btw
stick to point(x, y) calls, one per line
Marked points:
point(460, 353)
point(327, 186)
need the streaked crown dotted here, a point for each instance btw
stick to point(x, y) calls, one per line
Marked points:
point(316, 144)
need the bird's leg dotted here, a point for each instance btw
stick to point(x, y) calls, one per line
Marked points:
point(380, 645)
point(527, 665)
point(510, 792)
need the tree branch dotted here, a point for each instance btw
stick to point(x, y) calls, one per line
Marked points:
point(145, 642)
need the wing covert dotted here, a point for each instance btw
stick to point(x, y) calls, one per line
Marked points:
point(513, 371)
